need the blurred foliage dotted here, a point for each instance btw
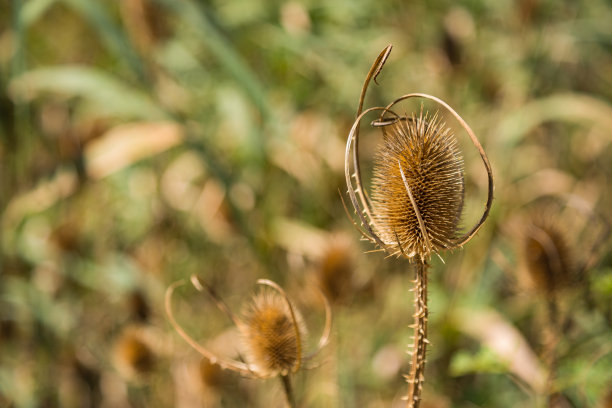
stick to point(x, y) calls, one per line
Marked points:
point(146, 140)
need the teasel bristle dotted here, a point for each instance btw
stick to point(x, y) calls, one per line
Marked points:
point(419, 156)
point(272, 336)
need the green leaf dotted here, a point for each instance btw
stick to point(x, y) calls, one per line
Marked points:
point(102, 94)
point(483, 361)
point(33, 10)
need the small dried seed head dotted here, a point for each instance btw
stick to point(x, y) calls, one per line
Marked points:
point(547, 256)
point(270, 336)
point(133, 355)
point(335, 270)
point(427, 154)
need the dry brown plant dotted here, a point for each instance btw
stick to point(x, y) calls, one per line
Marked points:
point(561, 241)
point(417, 196)
point(272, 330)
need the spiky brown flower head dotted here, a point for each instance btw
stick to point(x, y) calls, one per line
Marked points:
point(272, 334)
point(419, 157)
point(547, 255)
point(271, 327)
point(416, 205)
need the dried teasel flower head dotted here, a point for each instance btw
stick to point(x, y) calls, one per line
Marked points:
point(272, 329)
point(560, 238)
point(335, 269)
point(547, 255)
point(417, 190)
point(418, 166)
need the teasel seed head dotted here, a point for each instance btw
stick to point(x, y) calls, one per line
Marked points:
point(547, 256)
point(272, 329)
point(335, 271)
point(419, 157)
point(417, 188)
point(272, 334)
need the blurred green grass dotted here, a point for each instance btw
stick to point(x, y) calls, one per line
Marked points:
point(143, 141)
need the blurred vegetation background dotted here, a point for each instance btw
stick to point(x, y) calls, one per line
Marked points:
point(143, 141)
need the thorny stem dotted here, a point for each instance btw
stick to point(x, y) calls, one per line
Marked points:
point(288, 390)
point(419, 348)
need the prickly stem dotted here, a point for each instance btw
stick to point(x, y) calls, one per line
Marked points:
point(416, 376)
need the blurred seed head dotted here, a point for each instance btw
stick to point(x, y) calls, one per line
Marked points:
point(335, 270)
point(271, 328)
point(272, 344)
point(133, 355)
point(8, 330)
point(558, 239)
point(427, 153)
point(548, 256)
point(139, 309)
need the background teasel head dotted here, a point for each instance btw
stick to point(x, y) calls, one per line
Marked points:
point(417, 186)
point(133, 354)
point(547, 255)
point(272, 329)
point(560, 239)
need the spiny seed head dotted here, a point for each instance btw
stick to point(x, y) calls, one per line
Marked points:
point(547, 256)
point(427, 153)
point(270, 336)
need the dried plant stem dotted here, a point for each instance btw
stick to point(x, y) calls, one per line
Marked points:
point(552, 337)
point(419, 348)
point(288, 390)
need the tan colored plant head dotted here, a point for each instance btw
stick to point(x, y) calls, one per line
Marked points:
point(418, 188)
point(416, 200)
point(418, 166)
point(273, 333)
point(335, 270)
point(272, 328)
point(561, 238)
point(548, 256)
